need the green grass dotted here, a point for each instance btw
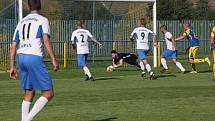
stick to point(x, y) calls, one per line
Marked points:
point(122, 96)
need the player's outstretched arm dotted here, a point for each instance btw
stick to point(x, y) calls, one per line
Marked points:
point(120, 63)
point(95, 41)
point(13, 72)
point(49, 47)
point(180, 38)
point(173, 43)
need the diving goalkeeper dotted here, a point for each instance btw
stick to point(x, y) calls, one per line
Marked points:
point(119, 58)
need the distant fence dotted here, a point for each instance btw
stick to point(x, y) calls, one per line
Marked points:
point(64, 49)
point(108, 29)
point(113, 34)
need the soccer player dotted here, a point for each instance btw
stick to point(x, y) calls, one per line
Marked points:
point(34, 75)
point(80, 37)
point(212, 47)
point(119, 58)
point(141, 34)
point(193, 47)
point(170, 52)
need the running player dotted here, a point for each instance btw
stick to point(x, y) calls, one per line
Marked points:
point(193, 47)
point(170, 52)
point(141, 34)
point(34, 75)
point(80, 37)
point(119, 58)
point(212, 47)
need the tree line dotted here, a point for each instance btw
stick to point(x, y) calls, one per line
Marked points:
point(184, 9)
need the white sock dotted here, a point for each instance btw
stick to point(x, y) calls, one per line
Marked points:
point(163, 62)
point(148, 68)
point(142, 66)
point(87, 71)
point(38, 106)
point(178, 64)
point(25, 109)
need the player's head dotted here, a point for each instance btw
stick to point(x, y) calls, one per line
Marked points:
point(113, 53)
point(163, 28)
point(79, 24)
point(186, 25)
point(143, 21)
point(34, 5)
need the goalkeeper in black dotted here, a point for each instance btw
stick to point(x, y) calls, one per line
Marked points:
point(119, 58)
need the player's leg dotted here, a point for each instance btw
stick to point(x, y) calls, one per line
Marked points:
point(142, 67)
point(25, 85)
point(149, 69)
point(195, 52)
point(138, 65)
point(191, 59)
point(163, 62)
point(142, 55)
point(179, 65)
point(164, 55)
point(40, 103)
point(40, 80)
point(174, 57)
point(147, 66)
point(82, 59)
point(167, 53)
point(146, 63)
point(26, 103)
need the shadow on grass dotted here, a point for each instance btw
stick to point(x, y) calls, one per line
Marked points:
point(166, 75)
point(106, 78)
point(206, 71)
point(128, 70)
point(162, 76)
point(108, 119)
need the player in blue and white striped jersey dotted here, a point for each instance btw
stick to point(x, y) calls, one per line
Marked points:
point(141, 35)
point(28, 37)
point(170, 52)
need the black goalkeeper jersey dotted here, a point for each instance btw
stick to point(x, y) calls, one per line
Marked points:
point(126, 57)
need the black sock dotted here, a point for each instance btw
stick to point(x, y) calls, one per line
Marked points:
point(193, 66)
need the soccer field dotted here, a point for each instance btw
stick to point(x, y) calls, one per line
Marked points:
point(119, 96)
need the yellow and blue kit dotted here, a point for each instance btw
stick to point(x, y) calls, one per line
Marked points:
point(193, 43)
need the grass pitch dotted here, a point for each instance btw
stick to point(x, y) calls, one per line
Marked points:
point(119, 96)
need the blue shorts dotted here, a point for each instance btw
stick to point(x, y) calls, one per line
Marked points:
point(34, 73)
point(170, 54)
point(142, 54)
point(82, 59)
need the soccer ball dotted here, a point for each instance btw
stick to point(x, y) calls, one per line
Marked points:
point(110, 69)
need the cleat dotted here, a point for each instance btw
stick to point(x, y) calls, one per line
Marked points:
point(166, 71)
point(193, 72)
point(208, 61)
point(92, 79)
point(153, 77)
point(143, 74)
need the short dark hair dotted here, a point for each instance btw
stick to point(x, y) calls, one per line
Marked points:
point(143, 21)
point(34, 5)
point(164, 27)
point(113, 51)
point(79, 23)
point(186, 22)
